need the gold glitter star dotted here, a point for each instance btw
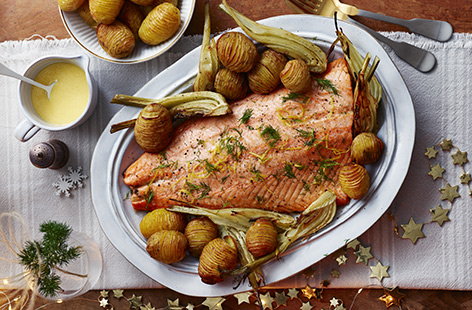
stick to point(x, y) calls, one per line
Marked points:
point(436, 171)
point(190, 307)
point(135, 301)
point(465, 178)
point(280, 299)
point(103, 302)
point(266, 300)
point(460, 158)
point(213, 303)
point(379, 271)
point(431, 152)
point(306, 306)
point(341, 260)
point(446, 145)
point(449, 192)
point(118, 293)
point(363, 255)
point(104, 293)
point(392, 297)
point(310, 293)
point(335, 273)
point(413, 231)
point(243, 297)
point(147, 307)
point(439, 215)
point(292, 293)
point(353, 244)
point(340, 307)
point(175, 305)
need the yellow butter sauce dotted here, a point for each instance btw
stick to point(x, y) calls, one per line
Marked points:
point(69, 96)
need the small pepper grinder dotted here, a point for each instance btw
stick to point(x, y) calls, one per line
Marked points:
point(52, 154)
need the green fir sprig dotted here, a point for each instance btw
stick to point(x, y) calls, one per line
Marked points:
point(42, 258)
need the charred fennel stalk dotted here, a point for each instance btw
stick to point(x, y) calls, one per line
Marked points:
point(204, 103)
point(316, 216)
point(280, 40)
point(238, 218)
point(208, 65)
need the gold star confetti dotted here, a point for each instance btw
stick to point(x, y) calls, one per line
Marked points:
point(460, 158)
point(118, 293)
point(147, 307)
point(174, 305)
point(363, 255)
point(308, 292)
point(439, 215)
point(465, 178)
point(341, 260)
point(135, 301)
point(431, 152)
point(306, 306)
point(335, 273)
point(213, 303)
point(190, 307)
point(436, 171)
point(266, 300)
point(333, 302)
point(353, 244)
point(379, 271)
point(446, 145)
point(449, 192)
point(103, 302)
point(104, 293)
point(280, 299)
point(413, 231)
point(243, 297)
point(392, 297)
point(292, 293)
point(340, 307)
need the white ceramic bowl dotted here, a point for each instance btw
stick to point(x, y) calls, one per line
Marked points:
point(86, 37)
point(33, 123)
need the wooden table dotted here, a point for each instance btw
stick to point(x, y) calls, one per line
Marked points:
point(21, 19)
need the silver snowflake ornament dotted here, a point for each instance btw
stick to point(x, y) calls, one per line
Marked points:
point(63, 186)
point(76, 177)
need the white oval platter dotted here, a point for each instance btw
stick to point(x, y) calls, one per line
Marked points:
point(86, 37)
point(114, 153)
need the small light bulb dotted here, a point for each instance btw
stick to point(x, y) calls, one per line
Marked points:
point(59, 301)
point(5, 281)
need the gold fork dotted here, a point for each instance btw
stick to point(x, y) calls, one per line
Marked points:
point(433, 29)
point(416, 57)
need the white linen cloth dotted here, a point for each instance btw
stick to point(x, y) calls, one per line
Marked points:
point(442, 101)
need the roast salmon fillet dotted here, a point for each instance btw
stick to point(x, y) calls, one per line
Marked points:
point(287, 153)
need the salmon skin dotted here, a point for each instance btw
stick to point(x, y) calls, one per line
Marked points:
point(276, 152)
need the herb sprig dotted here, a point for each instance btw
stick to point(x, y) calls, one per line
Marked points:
point(296, 97)
point(270, 135)
point(307, 134)
point(327, 85)
point(246, 116)
point(202, 188)
point(43, 258)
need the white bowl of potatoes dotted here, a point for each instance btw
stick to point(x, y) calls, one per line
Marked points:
point(126, 31)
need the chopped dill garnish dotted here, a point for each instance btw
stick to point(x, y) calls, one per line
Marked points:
point(201, 142)
point(202, 188)
point(289, 171)
point(246, 116)
point(250, 127)
point(149, 196)
point(307, 134)
point(164, 155)
point(223, 179)
point(306, 186)
point(209, 167)
point(260, 199)
point(327, 85)
point(296, 97)
point(323, 165)
point(271, 135)
point(232, 146)
point(257, 174)
point(238, 131)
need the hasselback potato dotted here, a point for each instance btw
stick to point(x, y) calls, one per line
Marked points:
point(160, 24)
point(161, 219)
point(116, 39)
point(153, 128)
point(231, 84)
point(199, 232)
point(296, 76)
point(69, 5)
point(84, 12)
point(265, 76)
point(132, 17)
point(217, 256)
point(236, 52)
point(366, 148)
point(261, 238)
point(167, 246)
point(354, 180)
point(105, 11)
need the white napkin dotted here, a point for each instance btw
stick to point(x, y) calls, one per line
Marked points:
point(441, 99)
